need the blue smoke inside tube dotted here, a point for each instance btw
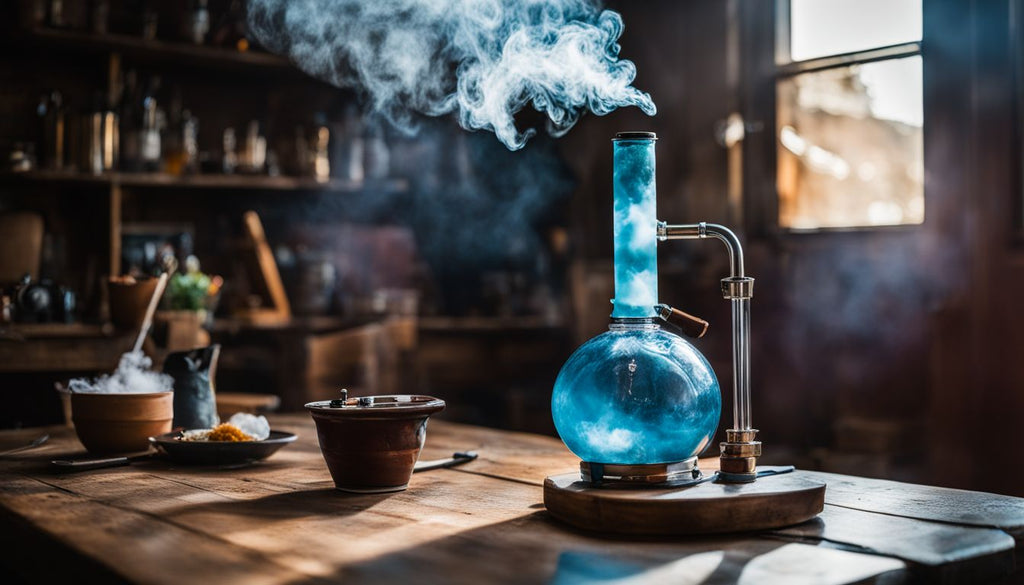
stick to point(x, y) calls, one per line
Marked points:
point(484, 60)
point(635, 225)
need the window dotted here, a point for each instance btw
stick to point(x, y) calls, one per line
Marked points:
point(849, 113)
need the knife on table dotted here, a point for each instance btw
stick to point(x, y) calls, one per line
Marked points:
point(87, 464)
point(69, 465)
point(457, 458)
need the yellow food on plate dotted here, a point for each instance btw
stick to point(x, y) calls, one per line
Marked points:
point(227, 432)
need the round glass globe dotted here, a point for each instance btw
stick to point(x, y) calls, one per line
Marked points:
point(636, 395)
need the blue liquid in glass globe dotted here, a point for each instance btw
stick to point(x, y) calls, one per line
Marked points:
point(636, 395)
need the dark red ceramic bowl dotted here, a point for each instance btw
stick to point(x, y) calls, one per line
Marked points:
point(371, 443)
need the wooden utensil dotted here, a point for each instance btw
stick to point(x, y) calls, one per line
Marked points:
point(147, 322)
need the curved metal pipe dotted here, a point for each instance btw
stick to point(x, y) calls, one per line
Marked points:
point(695, 231)
point(738, 288)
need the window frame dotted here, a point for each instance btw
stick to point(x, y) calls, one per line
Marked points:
point(784, 67)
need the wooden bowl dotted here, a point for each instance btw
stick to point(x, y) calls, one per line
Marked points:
point(373, 447)
point(121, 423)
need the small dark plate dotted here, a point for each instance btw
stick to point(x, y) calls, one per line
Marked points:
point(221, 453)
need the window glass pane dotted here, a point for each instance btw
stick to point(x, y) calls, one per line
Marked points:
point(850, 147)
point(819, 28)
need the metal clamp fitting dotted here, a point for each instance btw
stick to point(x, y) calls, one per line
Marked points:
point(738, 461)
point(738, 287)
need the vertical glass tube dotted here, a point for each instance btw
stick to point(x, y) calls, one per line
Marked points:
point(741, 363)
point(635, 220)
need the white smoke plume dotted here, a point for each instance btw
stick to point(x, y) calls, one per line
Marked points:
point(484, 59)
point(133, 376)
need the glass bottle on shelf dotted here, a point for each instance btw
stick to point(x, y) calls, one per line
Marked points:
point(231, 28)
point(100, 17)
point(52, 131)
point(98, 137)
point(150, 146)
point(181, 147)
point(199, 22)
point(150, 20)
point(230, 146)
point(302, 160)
point(171, 142)
point(32, 13)
point(189, 142)
point(254, 150)
point(347, 147)
point(320, 157)
point(130, 117)
point(56, 11)
point(377, 160)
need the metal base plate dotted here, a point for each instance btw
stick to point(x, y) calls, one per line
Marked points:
point(675, 474)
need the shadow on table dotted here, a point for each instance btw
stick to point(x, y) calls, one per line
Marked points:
point(535, 549)
point(531, 548)
point(43, 466)
point(322, 502)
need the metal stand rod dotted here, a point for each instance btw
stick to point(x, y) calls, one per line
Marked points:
point(740, 450)
point(738, 288)
point(741, 363)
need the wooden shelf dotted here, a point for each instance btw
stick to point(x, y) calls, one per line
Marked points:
point(488, 324)
point(228, 326)
point(57, 347)
point(225, 182)
point(138, 49)
point(23, 331)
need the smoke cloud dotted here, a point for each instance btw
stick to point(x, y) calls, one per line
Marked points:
point(485, 60)
point(133, 376)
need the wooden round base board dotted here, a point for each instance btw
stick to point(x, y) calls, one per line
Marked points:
point(708, 508)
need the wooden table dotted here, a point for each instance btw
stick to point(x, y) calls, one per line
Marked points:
point(281, 522)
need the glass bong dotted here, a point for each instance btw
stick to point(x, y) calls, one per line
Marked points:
point(638, 403)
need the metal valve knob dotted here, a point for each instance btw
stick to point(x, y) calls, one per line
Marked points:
point(340, 402)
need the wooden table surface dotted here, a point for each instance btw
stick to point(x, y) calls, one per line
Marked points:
point(281, 522)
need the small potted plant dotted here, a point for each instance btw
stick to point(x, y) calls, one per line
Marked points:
point(188, 306)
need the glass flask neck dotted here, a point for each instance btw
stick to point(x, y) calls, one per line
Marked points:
point(635, 222)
